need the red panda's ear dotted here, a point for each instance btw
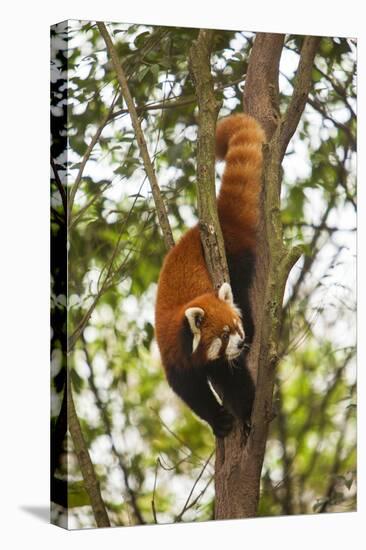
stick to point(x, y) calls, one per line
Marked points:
point(226, 294)
point(195, 317)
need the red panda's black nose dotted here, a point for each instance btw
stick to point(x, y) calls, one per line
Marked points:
point(241, 344)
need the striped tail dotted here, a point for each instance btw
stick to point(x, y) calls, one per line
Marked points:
point(239, 140)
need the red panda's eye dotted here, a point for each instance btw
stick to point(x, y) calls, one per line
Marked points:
point(225, 336)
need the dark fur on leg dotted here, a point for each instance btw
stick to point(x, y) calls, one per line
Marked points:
point(193, 388)
point(236, 388)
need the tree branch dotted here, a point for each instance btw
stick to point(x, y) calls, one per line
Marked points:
point(239, 460)
point(150, 172)
point(85, 463)
point(321, 108)
point(342, 92)
point(318, 106)
point(262, 78)
point(187, 504)
point(287, 502)
point(85, 159)
point(175, 102)
point(320, 226)
point(105, 284)
point(210, 230)
point(130, 66)
point(108, 428)
point(309, 260)
point(153, 507)
point(300, 92)
point(290, 259)
point(79, 215)
point(332, 483)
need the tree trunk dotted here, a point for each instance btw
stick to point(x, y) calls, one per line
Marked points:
point(208, 109)
point(239, 461)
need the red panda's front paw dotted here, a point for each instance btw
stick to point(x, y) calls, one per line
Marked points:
point(223, 423)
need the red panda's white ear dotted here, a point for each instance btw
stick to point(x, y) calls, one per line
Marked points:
point(226, 294)
point(194, 317)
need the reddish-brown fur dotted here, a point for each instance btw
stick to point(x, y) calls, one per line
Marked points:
point(184, 280)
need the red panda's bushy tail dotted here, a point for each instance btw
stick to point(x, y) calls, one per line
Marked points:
point(239, 140)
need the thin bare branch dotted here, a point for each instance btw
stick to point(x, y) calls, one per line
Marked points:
point(320, 226)
point(337, 87)
point(86, 156)
point(107, 281)
point(183, 444)
point(332, 476)
point(108, 428)
point(300, 92)
point(153, 507)
point(308, 260)
point(78, 217)
point(150, 172)
point(287, 481)
point(130, 65)
point(187, 504)
point(318, 106)
point(175, 102)
point(200, 494)
point(85, 463)
point(321, 108)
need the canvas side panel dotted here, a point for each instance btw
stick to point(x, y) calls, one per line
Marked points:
point(58, 154)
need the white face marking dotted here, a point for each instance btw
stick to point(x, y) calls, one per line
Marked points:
point(194, 316)
point(196, 341)
point(233, 348)
point(213, 351)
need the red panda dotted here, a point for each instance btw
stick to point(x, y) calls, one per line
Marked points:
point(203, 334)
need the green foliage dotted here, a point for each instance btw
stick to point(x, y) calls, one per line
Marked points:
point(147, 447)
